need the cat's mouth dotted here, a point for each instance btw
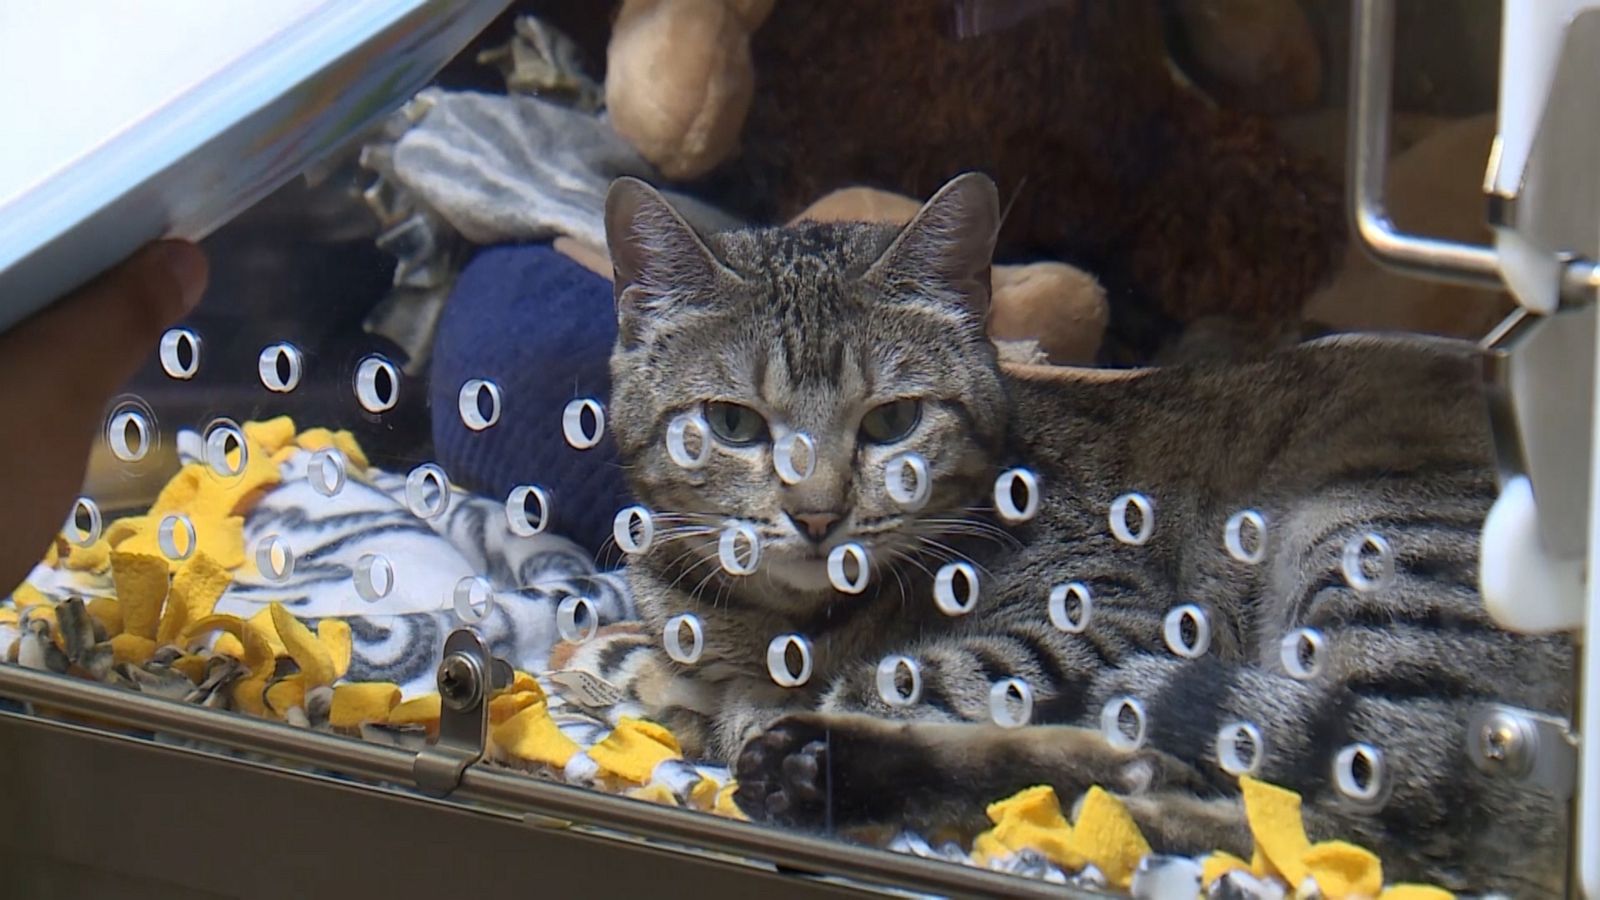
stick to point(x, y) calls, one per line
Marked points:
point(805, 571)
point(846, 564)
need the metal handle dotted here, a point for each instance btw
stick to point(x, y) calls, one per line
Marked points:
point(1371, 85)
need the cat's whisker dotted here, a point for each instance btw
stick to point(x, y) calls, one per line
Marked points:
point(677, 559)
point(973, 528)
point(978, 526)
point(901, 582)
point(721, 587)
point(676, 520)
point(952, 555)
point(905, 556)
point(702, 585)
point(704, 559)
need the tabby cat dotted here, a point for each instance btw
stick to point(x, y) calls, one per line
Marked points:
point(870, 340)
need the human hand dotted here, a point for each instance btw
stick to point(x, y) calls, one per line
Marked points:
point(59, 368)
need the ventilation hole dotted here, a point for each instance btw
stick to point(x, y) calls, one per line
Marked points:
point(527, 510)
point(1245, 536)
point(789, 660)
point(377, 384)
point(130, 430)
point(1367, 562)
point(577, 620)
point(847, 568)
point(794, 456)
point(83, 525)
point(907, 480)
point(1016, 495)
point(133, 435)
point(1187, 631)
point(899, 681)
point(583, 423)
point(279, 368)
point(1122, 722)
point(175, 536)
point(1240, 749)
point(473, 599)
point(225, 449)
point(373, 577)
point(274, 559)
point(326, 472)
point(1010, 703)
point(1070, 607)
point(479, 404)
point(672, 638)
point(633, 529)
point(1300, 651)
point(687, 443)
point(1134, 533)
point(739, 549)
point(1358, 773)
point(955, 599)
point(180, 353)
point(427, 491)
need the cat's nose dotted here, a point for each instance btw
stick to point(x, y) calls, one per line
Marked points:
point(814, 525)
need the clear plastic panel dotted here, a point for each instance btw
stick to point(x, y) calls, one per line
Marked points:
point(821, 528)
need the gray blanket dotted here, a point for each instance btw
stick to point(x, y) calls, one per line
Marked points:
point(515, 168)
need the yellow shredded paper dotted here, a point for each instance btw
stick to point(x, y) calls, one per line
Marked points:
point(532, 736)
point(634, 749)
point(1275, 823)
point(1344, 870)
point(1106, 835)
point(356, 703)
point(1032, 819)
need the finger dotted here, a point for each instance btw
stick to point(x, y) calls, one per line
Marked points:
point(57, 371)
point(93, 340)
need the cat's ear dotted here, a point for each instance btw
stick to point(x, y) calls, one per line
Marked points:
point(945, 251)
point(658, 261)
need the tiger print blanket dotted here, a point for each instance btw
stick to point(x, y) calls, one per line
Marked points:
point(399, 637)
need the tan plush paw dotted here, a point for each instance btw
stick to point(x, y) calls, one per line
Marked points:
point(679, 79)
point(1062, 308)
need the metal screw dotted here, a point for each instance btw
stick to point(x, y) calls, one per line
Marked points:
point(1505, 742)
point(1497, 744)
point(460, 682)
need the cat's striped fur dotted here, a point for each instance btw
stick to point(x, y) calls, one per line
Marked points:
point(1328, 441)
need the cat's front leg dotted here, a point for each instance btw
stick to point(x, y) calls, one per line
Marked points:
point(856, 761)
point(841, 770)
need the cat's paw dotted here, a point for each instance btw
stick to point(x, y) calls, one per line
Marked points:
point(783, 773)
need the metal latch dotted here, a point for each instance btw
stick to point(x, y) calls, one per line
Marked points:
point(467, 676)
point(1530, 747)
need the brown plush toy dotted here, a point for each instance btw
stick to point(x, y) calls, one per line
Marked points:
point(1185, 210)
point(1060, 309)
point(679, 79)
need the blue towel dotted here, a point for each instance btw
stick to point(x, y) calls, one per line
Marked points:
point(540, 327)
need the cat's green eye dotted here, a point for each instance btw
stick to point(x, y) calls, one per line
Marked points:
point(891, 421)
point(735, 424)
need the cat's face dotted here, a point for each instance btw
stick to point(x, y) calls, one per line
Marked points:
point(846, 348)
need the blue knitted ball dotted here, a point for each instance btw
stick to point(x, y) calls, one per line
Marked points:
point(540, 327)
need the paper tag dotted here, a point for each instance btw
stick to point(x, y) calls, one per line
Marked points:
point(586, 689)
